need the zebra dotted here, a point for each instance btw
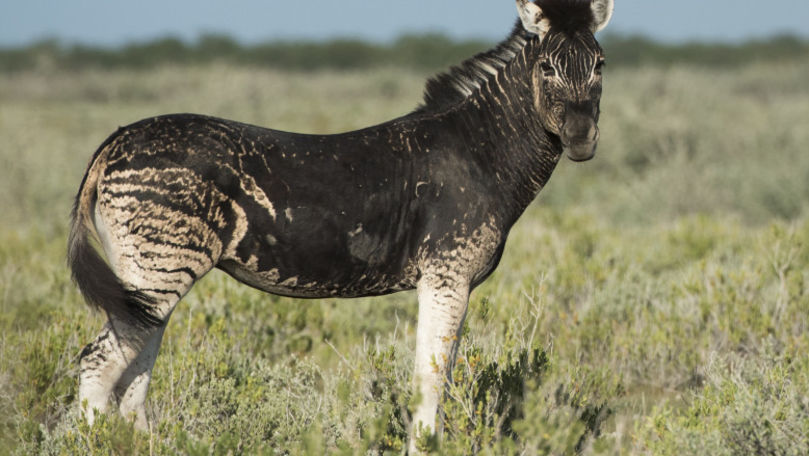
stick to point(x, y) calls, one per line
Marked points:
point(425, 202)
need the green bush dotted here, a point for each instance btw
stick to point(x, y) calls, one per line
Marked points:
point(431, 51)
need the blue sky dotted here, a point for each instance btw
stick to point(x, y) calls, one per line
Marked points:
point(113, 22)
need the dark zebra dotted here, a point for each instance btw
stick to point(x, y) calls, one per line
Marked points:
point(424, 201)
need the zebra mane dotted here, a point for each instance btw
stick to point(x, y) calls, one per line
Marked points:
point(569, 16)
point(449, 88)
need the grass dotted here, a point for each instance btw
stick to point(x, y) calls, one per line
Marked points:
point(653, 301)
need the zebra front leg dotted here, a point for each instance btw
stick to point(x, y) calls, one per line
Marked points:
point(442, 309)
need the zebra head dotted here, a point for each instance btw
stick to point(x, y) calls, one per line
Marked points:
point(566, 68)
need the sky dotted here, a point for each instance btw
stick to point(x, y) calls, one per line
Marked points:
point(115, 22)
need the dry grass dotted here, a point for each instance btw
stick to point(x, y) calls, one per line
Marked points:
point(665, 282)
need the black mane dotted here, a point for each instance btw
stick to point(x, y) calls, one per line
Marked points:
point(448, 89)
point(568, 16)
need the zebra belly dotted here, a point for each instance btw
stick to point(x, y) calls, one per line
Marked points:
point(304, 286)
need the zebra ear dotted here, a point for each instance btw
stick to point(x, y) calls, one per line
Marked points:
point(532, 18)
point(602, 11)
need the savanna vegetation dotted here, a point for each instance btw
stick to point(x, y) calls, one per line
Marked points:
point(425, 52)
point(652, 301)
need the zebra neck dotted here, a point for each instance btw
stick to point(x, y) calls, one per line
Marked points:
point(503, 132)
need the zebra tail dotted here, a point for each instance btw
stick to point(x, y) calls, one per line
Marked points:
point(99, 285)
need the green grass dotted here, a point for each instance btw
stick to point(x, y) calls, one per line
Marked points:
point(653, 301)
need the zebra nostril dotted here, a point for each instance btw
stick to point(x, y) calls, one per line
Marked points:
point(593, 134)
point(569, 132)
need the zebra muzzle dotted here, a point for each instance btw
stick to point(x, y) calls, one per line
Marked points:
point(579, 138)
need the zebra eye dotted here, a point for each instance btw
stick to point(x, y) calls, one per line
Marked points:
point(547, 69)
point(600, 65)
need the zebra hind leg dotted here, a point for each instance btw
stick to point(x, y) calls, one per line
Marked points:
point(104, 362)
point(117, 365)
point(130, 391)
point(155, 253)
